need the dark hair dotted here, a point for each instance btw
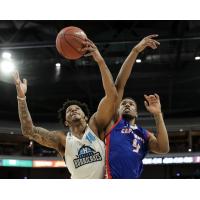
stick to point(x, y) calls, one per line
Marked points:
point(66, 104)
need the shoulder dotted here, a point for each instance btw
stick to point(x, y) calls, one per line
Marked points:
point(93, 125)
point(113, 124)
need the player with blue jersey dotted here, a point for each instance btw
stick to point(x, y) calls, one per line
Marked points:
point(126, 143)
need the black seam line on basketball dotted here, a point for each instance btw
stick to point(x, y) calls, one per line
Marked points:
point(72, 47)
point(68, 34)
point(61, 48)
point(73, 36)
point(71, 28)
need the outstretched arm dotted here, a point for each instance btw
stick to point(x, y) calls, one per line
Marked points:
point(159, 144)
point(52, 139)
point(127, 66)
point(107, 105)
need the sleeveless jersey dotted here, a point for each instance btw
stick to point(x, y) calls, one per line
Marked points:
point(85, 158)
point(126, 146)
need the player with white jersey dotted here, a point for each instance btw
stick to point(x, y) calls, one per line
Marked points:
point(84, 152)
point(85, 155)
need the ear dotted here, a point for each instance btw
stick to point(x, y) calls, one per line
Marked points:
point(86, 118)
point(136, 114)
point(66, 123)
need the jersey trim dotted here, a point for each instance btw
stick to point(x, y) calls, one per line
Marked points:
point(107, 157)
point(113, 126)
point(107, 137)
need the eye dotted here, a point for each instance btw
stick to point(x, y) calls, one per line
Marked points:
point(68, 110)
point(76, 108)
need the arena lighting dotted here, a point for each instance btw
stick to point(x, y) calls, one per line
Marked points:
point(58, 69)
point(138, 60)
point(16, 163)
point(7, 66)
point(32, 163)
point(197, 57)
point(157, 161)
point(61, 163)
point(12, 162)
point(171, 160)
point(6, 55)
point(42, 163)
point(58, 65)
point(48, 163)
point(178, 174)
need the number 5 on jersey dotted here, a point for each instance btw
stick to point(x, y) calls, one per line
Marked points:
point(136, 146)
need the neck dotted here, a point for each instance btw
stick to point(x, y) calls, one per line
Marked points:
point(130, 119)
point(78, 128)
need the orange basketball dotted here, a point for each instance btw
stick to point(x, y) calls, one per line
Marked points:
point(70, 41)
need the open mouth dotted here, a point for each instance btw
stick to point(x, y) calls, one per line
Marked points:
point(126, 110)
point(74, 114)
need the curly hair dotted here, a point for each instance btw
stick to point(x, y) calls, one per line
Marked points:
point(66, 104)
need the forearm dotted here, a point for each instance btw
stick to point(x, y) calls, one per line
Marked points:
point(162, 135)
point(126, 69)
point(38, 134)
point(108, 83)
point(25, 118)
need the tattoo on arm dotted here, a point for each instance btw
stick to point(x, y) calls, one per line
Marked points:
point(25, 118)
point(45, 137)
point(38, 134)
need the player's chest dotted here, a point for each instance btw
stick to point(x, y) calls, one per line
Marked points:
point(127, 135)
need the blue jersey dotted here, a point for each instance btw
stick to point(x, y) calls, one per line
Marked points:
point(126, 146)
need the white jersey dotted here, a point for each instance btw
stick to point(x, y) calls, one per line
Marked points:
point(85, 158)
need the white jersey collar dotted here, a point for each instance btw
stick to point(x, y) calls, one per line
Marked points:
point(133, 127)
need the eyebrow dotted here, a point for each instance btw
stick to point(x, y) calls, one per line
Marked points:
point(74, 106)
point(131, 102)
point(127, 101)
point(68, 108)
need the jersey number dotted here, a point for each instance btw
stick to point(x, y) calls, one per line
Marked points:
point(136, 146)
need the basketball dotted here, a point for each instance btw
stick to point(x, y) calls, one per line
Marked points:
point(70, 41)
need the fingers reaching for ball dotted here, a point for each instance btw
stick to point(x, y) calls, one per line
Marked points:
point(91, 50)
point(89, 47)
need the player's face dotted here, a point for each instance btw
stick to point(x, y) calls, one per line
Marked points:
point(128, 107)
point(74, 113)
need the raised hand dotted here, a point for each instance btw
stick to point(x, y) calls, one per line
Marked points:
point(148, 41)
point(20, 86)
point(92, 50)
point(152, 103)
